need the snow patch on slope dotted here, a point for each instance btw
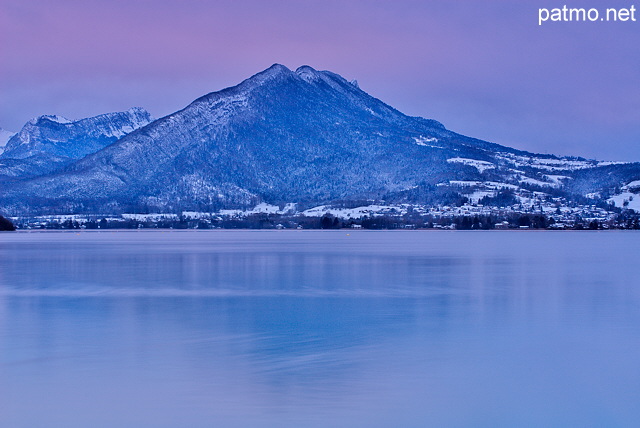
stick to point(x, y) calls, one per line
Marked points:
point(633, 186)
point(550, 164)
point(53, 118)
point(425, 142)
point(481, 166)
point(355, 213)
point(557, 179)
point(308, 74)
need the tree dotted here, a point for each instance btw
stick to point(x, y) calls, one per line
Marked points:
point(327, 221)
point(6, 225)
point(503, 198)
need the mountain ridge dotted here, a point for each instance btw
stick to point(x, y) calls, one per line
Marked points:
point(49, 142)
point(302, 136)
point(47, 130)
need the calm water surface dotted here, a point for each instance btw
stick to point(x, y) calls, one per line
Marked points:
point(319, 329)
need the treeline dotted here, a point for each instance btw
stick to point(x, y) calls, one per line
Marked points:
point(625, 220)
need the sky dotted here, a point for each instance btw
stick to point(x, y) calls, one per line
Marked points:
point(486, 69)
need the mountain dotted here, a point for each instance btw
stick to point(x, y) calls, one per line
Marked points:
point(50, 142)
point(4, 138)
point(307, 137)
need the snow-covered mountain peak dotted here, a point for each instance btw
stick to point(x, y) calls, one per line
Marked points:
point(308, 73)
point(274, 73)
point(276, 70)
point(138, 111)
point(51, 118)
point(57, 136)
point(305, 69)
point(137, 116)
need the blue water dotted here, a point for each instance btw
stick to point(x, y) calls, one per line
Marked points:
point(319, 329)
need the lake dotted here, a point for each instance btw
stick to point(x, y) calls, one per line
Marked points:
point(319, 329)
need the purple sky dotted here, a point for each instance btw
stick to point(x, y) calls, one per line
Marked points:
point(483, 68)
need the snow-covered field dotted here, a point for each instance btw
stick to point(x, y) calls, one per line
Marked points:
point(481, 166)
point(549, 164)
point(629, 197)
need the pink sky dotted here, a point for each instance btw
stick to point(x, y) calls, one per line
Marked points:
point(483, 68)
